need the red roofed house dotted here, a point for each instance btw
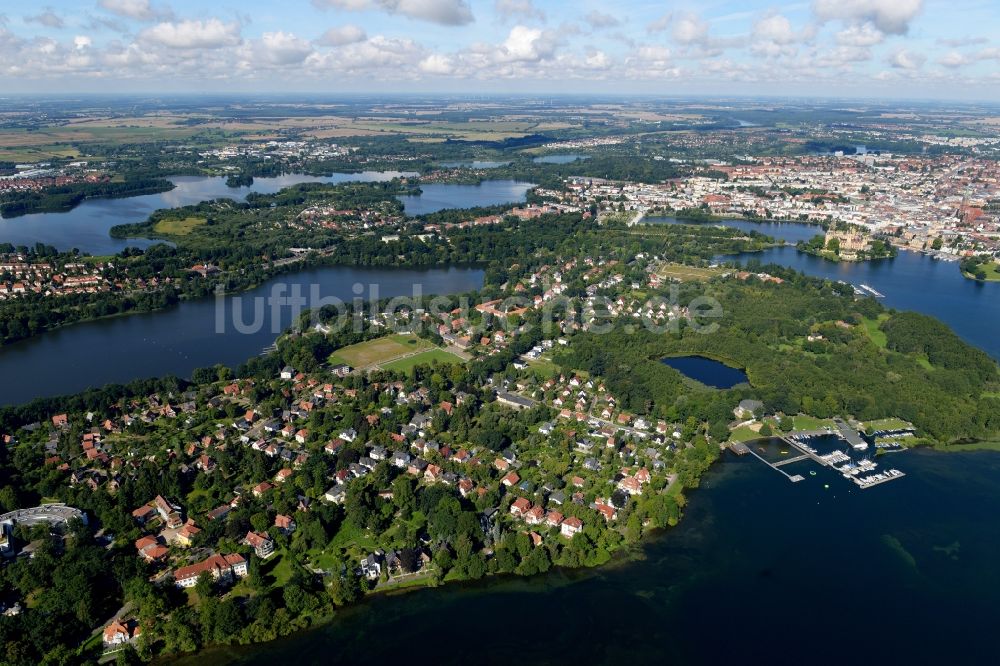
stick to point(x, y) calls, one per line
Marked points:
point(261, 543)
point(119, 633)
point(219, 567)
point(284, 523)
point(607, 511)
point(511, 479)
point(520, 507)
point(571, 526)
point(535, 515)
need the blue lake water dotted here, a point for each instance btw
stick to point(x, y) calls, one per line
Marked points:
point(707, 371)
point(439, 196)
point(560, 159)
point(196, 333)
point(86, 226)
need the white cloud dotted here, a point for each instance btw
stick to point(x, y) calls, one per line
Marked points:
point(525, 44)
point(510, 9)
point(208, 34)
point(343, 34)
point(689, 29)
point(48, 18)
point(140, 10)
point(903, 59)
point(81, 42)
point(597, 60)
point(437, 64)
point(283, 48)
point(860, 34)
point(890, 16)
point(599, 20)
point(773, 36)
point(443, 12)
point(775, 28)
point(953, 59)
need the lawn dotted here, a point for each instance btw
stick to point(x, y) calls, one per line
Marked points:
point(887, 424)
point(543, 368)
point(688, 273)
point(803, 422)
point(423, 358)
point(743, 434)
point(378, 351)
point(279, 568)
point(874, 332)
point(178, 227)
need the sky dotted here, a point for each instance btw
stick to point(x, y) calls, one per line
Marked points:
point(934, 49)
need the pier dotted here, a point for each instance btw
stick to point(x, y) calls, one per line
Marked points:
point(777, 466)
point(789, 461)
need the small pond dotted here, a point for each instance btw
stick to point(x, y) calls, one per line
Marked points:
point(707, 371)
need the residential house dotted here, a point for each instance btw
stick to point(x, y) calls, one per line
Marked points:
point(261, 543)
point(222, 568)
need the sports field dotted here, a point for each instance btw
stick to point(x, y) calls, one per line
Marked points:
point(378, 351)
point(423, 358)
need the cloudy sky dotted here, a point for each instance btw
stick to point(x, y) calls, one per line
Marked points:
point(870, 48)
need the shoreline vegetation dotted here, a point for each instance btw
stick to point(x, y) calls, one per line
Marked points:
point(980, 269)
point(64, 198)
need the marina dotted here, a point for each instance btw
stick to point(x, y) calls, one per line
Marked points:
point(828, 447)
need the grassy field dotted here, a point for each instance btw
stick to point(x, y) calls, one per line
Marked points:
point(177, 227)
point(426, 357)
point(543, 368)
point(872, 328)
point(743, 434)
point(378, 351)
point(688, 273)
point(803, 422)
point(887, 424)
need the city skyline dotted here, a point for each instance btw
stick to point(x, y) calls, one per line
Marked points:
point(854, 48)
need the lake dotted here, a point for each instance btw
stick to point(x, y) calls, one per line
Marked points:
point(560, 159)
point(903, 573)
point(707, 371)
point(86, 226)
point(178, 340)
point(440, 196)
